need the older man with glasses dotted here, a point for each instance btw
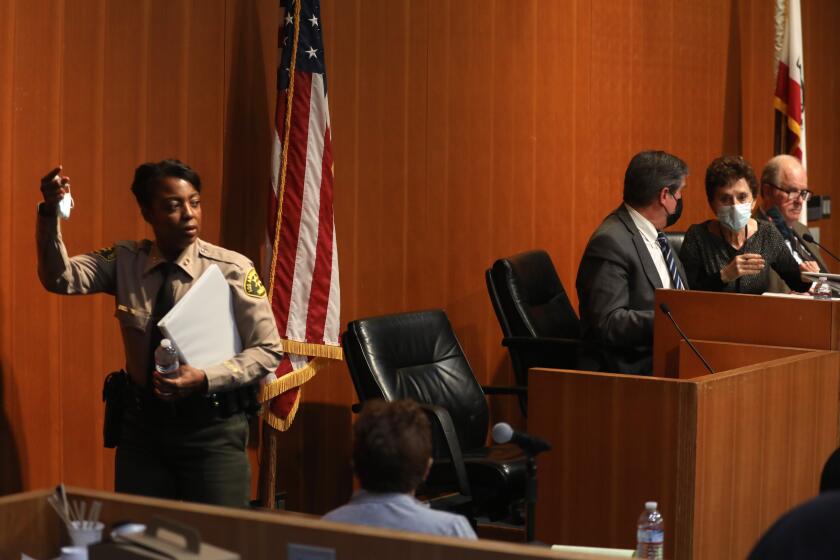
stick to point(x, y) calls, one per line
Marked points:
point(784, 192)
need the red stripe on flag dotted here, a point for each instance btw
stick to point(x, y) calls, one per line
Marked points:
point(322, 272)
point(782, 78)
point(292, 201)
point(282, 404)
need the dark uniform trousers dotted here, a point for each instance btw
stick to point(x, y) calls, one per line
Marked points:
point(165, 454)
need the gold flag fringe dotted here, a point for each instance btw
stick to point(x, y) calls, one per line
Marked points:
point(283, 424)
point(312, 349)
point(291, 380)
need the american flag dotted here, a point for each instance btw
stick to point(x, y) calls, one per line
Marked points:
point(303, 268)
point(789, 97)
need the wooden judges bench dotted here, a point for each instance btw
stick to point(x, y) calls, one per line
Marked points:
point(724, 454)
point(29, 525)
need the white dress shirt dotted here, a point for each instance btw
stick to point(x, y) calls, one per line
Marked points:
point(400, 511)
point(649, 234)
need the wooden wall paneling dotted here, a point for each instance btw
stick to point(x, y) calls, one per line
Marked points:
point(490, 63)
point(81, 152)
point(33, 397)
point(126, 115)
point(250, 86)
point(758, 79)
point(821, 43)
point(10, 471)
point(205, 113)
point(653, 76)
point(166, 134)
point(557, 119)
point(381, 194)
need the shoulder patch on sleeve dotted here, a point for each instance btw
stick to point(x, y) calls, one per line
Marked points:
point(107, 254)
point(253, 285)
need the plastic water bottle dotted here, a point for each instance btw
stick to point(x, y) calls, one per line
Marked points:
point(650, 534)
point(822, 289)
point(166, 358)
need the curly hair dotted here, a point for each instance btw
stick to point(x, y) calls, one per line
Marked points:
point(392, 444)
point(725, 170)
point(148, 175)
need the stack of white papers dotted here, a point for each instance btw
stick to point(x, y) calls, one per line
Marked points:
point(202, 325)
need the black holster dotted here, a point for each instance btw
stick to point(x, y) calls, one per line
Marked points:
point(113, 393)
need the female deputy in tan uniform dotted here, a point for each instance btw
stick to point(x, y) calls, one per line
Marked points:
point(181, 437)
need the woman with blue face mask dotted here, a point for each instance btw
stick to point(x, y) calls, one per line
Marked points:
point(735, 252)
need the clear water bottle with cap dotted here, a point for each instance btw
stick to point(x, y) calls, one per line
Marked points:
point(822, 289)
point(650, 534)
point(166, 358)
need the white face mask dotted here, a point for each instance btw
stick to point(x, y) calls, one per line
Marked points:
point(64, 206)
point(735, 217)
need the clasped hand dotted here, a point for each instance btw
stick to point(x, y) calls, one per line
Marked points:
point(54, 186)
point(742, 265)
point(186, 381)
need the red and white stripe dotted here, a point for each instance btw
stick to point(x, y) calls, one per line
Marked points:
point(306, 298)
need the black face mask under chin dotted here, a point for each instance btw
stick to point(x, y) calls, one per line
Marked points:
point(672, 218)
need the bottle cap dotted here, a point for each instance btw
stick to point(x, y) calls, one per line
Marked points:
point(650, 506)
point(166, 343)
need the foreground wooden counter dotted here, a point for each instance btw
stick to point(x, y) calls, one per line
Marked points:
point(28, 525)
point(723, 454)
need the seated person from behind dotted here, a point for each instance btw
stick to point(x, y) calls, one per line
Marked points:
point(784, 192)
point(735, 253)
point(392, 454)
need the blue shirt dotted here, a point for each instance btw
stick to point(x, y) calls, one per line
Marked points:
point(400, 511)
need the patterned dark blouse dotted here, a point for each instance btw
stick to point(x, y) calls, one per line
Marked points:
point(704, 254)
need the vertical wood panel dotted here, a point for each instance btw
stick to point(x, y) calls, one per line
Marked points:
point(10, 430)
point(83, 361)
point(32, 398)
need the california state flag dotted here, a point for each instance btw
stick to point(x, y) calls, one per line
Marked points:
point(789, 98)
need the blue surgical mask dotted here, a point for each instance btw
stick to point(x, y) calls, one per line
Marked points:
point(735, 217)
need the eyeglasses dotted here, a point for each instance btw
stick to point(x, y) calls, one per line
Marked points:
point(793, 194)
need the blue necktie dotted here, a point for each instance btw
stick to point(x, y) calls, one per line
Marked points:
point(665, 247)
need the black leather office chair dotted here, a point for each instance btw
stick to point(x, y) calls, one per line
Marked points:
point(417, 356)
point(539, 325)
point(675, 239)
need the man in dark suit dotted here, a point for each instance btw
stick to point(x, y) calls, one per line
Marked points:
point(784, 192)
point(627, 258)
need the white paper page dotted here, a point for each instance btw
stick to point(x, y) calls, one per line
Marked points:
point(202, 325)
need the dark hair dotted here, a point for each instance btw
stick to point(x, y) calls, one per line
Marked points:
point(392, 444)
point(830, 478)
point(648, 173)
point(149, 175)
point(726, 170)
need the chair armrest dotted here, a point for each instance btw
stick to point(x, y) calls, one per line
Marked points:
point(440, 418)
point(504, 390)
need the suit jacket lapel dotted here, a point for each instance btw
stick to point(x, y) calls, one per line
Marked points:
point(641, 248)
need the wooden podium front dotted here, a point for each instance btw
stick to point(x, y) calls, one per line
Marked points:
point(723, 454)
